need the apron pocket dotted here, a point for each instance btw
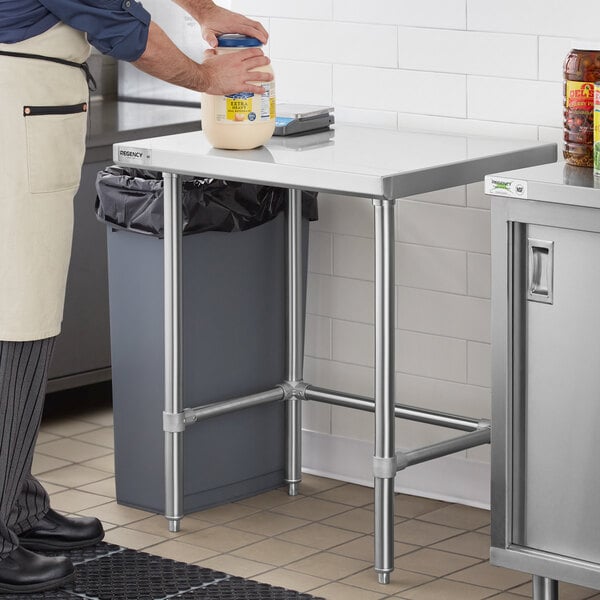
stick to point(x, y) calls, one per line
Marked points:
point(55, 146)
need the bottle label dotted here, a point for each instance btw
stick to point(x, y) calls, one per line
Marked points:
point(597, 131)
point(580, 95)
point(247, 107)
point(579, 114)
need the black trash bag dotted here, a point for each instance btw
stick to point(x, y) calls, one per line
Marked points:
point(132, 199)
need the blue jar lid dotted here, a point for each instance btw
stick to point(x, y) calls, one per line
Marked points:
point(237, 40)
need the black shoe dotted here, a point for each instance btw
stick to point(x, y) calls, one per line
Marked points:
point(56, 532)
point(23, 571)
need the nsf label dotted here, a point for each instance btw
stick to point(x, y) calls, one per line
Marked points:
point(136, 156)
point(499, 186)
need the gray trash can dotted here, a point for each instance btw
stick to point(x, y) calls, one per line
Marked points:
point(233, 345)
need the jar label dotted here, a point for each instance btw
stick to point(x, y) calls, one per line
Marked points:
point(597, 131)
point(247, 107)
point(579, 121)
point(580, 95)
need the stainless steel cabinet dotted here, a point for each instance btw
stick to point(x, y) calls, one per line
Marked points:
point(546, 378)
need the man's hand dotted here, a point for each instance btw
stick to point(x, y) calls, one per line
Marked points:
point(216, 21)
point(232, 73)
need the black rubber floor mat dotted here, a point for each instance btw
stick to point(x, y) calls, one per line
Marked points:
point(109, 572)
point(243, 589)
point(84, 554)
point(58, 595)
point(136, 575)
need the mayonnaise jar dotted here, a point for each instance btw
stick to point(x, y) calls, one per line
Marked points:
point(239, 121)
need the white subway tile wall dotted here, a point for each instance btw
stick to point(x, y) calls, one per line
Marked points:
point(478, 364)
point(479, 275)
point(295, 9)
point(443, 226)
point(401, 90)
point(468, 52)
point(320, 252)
point(430, 268)
point(302, 82)
point(552, 52)
point(515, 100)
point(534, 17)
point(333, 42)
point(477, 67)
point(447, 14)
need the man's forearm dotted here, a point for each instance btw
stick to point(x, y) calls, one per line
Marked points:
point(164, 60)
point(196, 8)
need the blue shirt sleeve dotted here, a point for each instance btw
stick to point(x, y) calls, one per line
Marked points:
point(118, 28)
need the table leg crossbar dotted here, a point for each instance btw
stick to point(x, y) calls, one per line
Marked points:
point(175, 422)
point(420, 455)
point(193, 415)
point(293, 391)
point(402, 411)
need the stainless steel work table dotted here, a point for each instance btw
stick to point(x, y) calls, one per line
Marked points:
point(381, 165)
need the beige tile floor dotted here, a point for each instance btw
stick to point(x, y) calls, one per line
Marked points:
point(319, 542)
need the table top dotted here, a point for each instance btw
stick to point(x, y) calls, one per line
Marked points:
point(352, 160)
point(558, 183)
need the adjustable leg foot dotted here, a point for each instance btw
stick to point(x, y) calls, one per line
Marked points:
point(174, 525)
point(293, 488)
point(384, 578)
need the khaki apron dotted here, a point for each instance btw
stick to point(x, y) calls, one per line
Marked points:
point(43, 122)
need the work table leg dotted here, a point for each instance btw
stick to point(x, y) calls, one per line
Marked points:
point(295, 339)
point(385, 446)
point(544, 588)
point(173, 348)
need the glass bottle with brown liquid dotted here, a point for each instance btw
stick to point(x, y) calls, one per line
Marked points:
point(581, 71)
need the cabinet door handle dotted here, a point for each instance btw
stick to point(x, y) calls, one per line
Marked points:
point(540, 287)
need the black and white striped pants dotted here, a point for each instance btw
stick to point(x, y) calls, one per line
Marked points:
point(23, 375)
